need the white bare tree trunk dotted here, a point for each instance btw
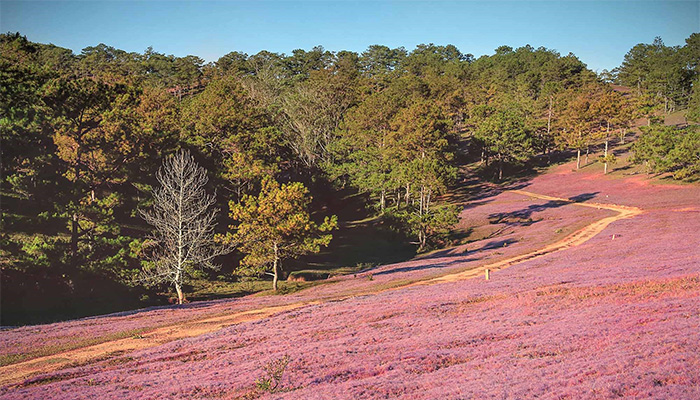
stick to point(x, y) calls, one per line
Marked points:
point(606, 157)
point(578, 159)
point(275, 268)
point(607, 135)
point(183, 220)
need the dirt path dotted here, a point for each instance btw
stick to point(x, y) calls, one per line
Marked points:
point(575, 239)
point(17, 373)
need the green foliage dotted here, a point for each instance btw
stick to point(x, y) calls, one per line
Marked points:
point(609, 159)
point(590, 114)
point(694, 102)
point(668, 149)
point(276, 225)
point(661, 73)
point(379, 60)
point(312, 111)
point(26, 147)
point(504, 135)
point(432, 227)
point(39, 251)
point(235, 134)
point(274, 371)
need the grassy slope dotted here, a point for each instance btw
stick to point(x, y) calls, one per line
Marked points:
point(611, 317)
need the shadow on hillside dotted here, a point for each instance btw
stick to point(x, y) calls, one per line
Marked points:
point(427, 266)
point(494, 244)
point(187, 306)
point(474, 204)
point(476, 192)
point(583, 197)
point(623, 168)
point(362, 239)
point(523, 217)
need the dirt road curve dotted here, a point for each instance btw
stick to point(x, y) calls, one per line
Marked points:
point(574, 239)
point(17, 373)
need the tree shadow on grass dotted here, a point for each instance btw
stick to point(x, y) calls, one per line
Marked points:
point(187, 306)
point(523, 217)
point(495, 244)
point(456, 258)
point(475, 190)
point(426, 266)
point(583, 197)
point(623, 168)
point(450, 252)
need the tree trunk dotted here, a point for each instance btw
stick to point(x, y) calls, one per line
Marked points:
point(180, 246)
point(500, 169)
point(607, 135)
point(74, 237)
point(578, 158)
point(180, 295)
point(274, 269)
point(75, 227)
point(427, 201)
point(605, 170)
point(622, 136)
point(382, 200)
point(587, 150)
point(549, 125)
point(421, 240)
point(422, 198)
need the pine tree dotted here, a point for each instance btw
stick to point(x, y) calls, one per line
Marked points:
point(275, 226)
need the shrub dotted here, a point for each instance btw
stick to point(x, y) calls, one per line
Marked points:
point(274, 370)
point(669, 149)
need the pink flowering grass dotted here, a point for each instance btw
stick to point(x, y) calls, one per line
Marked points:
point(548, 224)
point(607, 319)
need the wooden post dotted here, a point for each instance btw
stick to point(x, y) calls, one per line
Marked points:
point(488, 274)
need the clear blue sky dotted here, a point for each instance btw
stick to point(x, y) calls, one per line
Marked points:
point(599, 33)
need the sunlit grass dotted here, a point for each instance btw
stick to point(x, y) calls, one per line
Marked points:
point(77, 343)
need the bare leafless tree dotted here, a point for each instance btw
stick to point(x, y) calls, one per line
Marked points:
point(184, 220)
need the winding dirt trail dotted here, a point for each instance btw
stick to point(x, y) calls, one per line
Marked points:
point(577, 238)
point(16, 373)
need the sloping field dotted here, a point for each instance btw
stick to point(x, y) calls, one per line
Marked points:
point(600, 299)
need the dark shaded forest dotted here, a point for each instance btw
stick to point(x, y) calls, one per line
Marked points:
point(323, 138)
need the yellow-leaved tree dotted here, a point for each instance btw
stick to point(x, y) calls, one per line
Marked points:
point(276, 225)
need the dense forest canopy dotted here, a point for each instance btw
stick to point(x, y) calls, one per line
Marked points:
point(668, 74)
point(84, 134)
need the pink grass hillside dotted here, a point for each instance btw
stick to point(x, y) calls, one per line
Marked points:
point(608, 318)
